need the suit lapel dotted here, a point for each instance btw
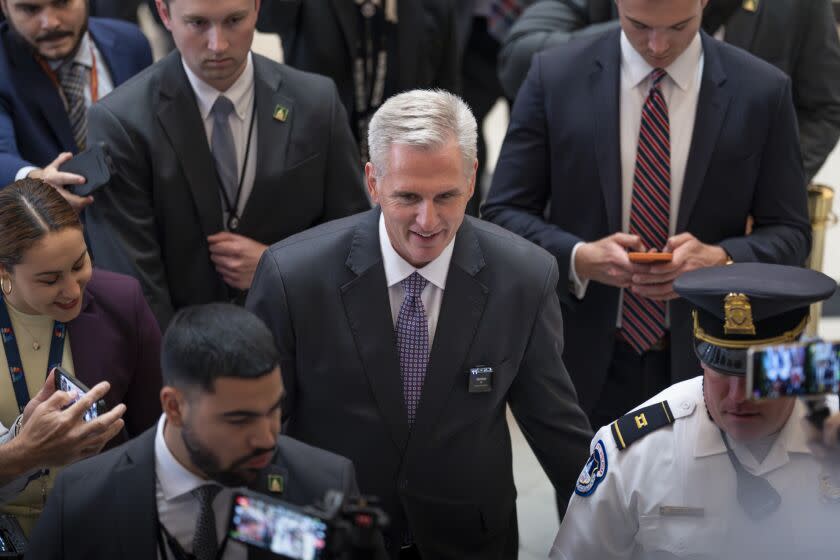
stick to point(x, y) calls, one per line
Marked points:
point(741, 27)
point(368, 311)
point(181, 121)
point(43, 91)
point(134, 483)
point(345, 12)
point(711, 108)
point(113, 53)
point(460, 313)
point(604, 90)
point(272, 137)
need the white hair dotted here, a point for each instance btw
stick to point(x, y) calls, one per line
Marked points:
point(422, 118)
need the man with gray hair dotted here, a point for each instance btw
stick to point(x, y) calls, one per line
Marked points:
point(404, 331)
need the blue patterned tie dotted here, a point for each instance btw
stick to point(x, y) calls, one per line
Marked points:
point(205, 544)
point(413, 342)
point(71, 76)
point(643, 319)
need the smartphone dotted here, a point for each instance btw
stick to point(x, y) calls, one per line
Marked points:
point(649, 258)
point(94, 165)
point(810, 369)
point(66, 382)
point(278, 527)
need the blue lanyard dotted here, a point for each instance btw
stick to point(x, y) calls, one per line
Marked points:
point(13, 354)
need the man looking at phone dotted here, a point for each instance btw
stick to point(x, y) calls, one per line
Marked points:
point(650, 137)
point(167, 493)
point(49, 435)
point(55, 61)
point(701, 470)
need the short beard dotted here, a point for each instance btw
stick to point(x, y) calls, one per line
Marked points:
point(207, 462)
point(69, 56)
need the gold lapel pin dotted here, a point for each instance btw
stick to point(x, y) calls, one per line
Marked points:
point(750, 5)
point(275, 483)
point(281, 113)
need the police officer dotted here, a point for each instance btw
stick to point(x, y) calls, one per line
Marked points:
point(700, 470)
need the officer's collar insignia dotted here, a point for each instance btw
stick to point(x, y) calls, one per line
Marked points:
point(593, 472)
point(640, 423)
point(738, 314)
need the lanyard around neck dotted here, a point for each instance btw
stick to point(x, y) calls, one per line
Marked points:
point(94, 77)
point(13, 359)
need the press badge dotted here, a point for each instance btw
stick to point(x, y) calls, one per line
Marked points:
point(481, 379)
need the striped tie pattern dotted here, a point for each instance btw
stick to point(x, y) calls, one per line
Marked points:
point(71, 76)
point(642, 319)
point(413, 342)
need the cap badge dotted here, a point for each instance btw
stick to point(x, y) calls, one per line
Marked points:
point(738, 313)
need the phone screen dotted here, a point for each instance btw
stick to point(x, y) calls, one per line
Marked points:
point(66, 384)
point(273, 526)
point(800, 370)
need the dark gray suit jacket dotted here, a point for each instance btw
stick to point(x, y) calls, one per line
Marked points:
point(153, 219)
point(797, 36)
point(104, 507)
point(449, 478)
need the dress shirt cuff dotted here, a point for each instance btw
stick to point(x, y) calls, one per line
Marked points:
point(576, 285)
point(23, 172)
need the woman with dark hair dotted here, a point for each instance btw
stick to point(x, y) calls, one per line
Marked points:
point(55, 309)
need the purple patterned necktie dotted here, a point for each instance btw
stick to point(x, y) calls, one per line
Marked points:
point(413, 342)
point(643, 319)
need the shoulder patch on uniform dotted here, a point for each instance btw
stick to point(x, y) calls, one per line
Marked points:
point(593, 472)
point(639, 423)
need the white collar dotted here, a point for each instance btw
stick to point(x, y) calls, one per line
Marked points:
point(174, 479)
point(398, 269)
point(682, 71)
point(791, 439)
point(240, 93)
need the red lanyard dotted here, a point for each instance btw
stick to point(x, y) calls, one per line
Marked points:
point(94, 77)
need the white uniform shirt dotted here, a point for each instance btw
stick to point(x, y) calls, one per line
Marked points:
point(686, 465)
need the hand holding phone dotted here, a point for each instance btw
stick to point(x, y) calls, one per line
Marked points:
point(94, 165)
point(69, 384)
point(649, 258)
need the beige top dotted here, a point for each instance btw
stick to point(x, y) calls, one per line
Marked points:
point(28, 330)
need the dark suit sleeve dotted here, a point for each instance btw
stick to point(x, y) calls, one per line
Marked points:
point(816, 83)
point(544, 401)
point(142, 399)
point(543, 25)
point(10, 160)
point(267, 299)
point(782, 230)
point(521, 188)
point(46, 542)
point(121, 222)
point(345, 191)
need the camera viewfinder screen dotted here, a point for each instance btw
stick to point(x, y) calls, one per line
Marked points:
point(796, 370)
point(69, 386)
point(283, 531)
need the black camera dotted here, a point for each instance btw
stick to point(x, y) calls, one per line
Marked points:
point(12, 539)
point(337, 529)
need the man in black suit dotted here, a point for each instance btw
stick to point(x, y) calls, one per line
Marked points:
point(404, 333)
point(218, 153)
point(170, 489)
point(799, 37)
point(652, 137)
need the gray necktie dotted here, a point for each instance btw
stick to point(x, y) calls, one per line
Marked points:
point(224, 149)
point(205, 544)
point(71, 76)
point(413, 342)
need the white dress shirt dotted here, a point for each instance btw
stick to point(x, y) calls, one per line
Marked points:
point(85, 55)
point(681, 89)
point(241, 93)
point(178, 509)
point(398, 269)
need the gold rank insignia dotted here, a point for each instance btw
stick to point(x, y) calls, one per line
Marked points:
point(750, 5)
point(281, 113)
point(275, 483)
point(738, 315)
point(639, 423)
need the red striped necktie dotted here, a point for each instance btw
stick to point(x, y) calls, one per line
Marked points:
point(643, 319)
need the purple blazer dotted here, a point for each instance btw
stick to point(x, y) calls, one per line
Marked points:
point(116, 338)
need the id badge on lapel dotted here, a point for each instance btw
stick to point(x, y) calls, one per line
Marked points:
point(480, 379)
